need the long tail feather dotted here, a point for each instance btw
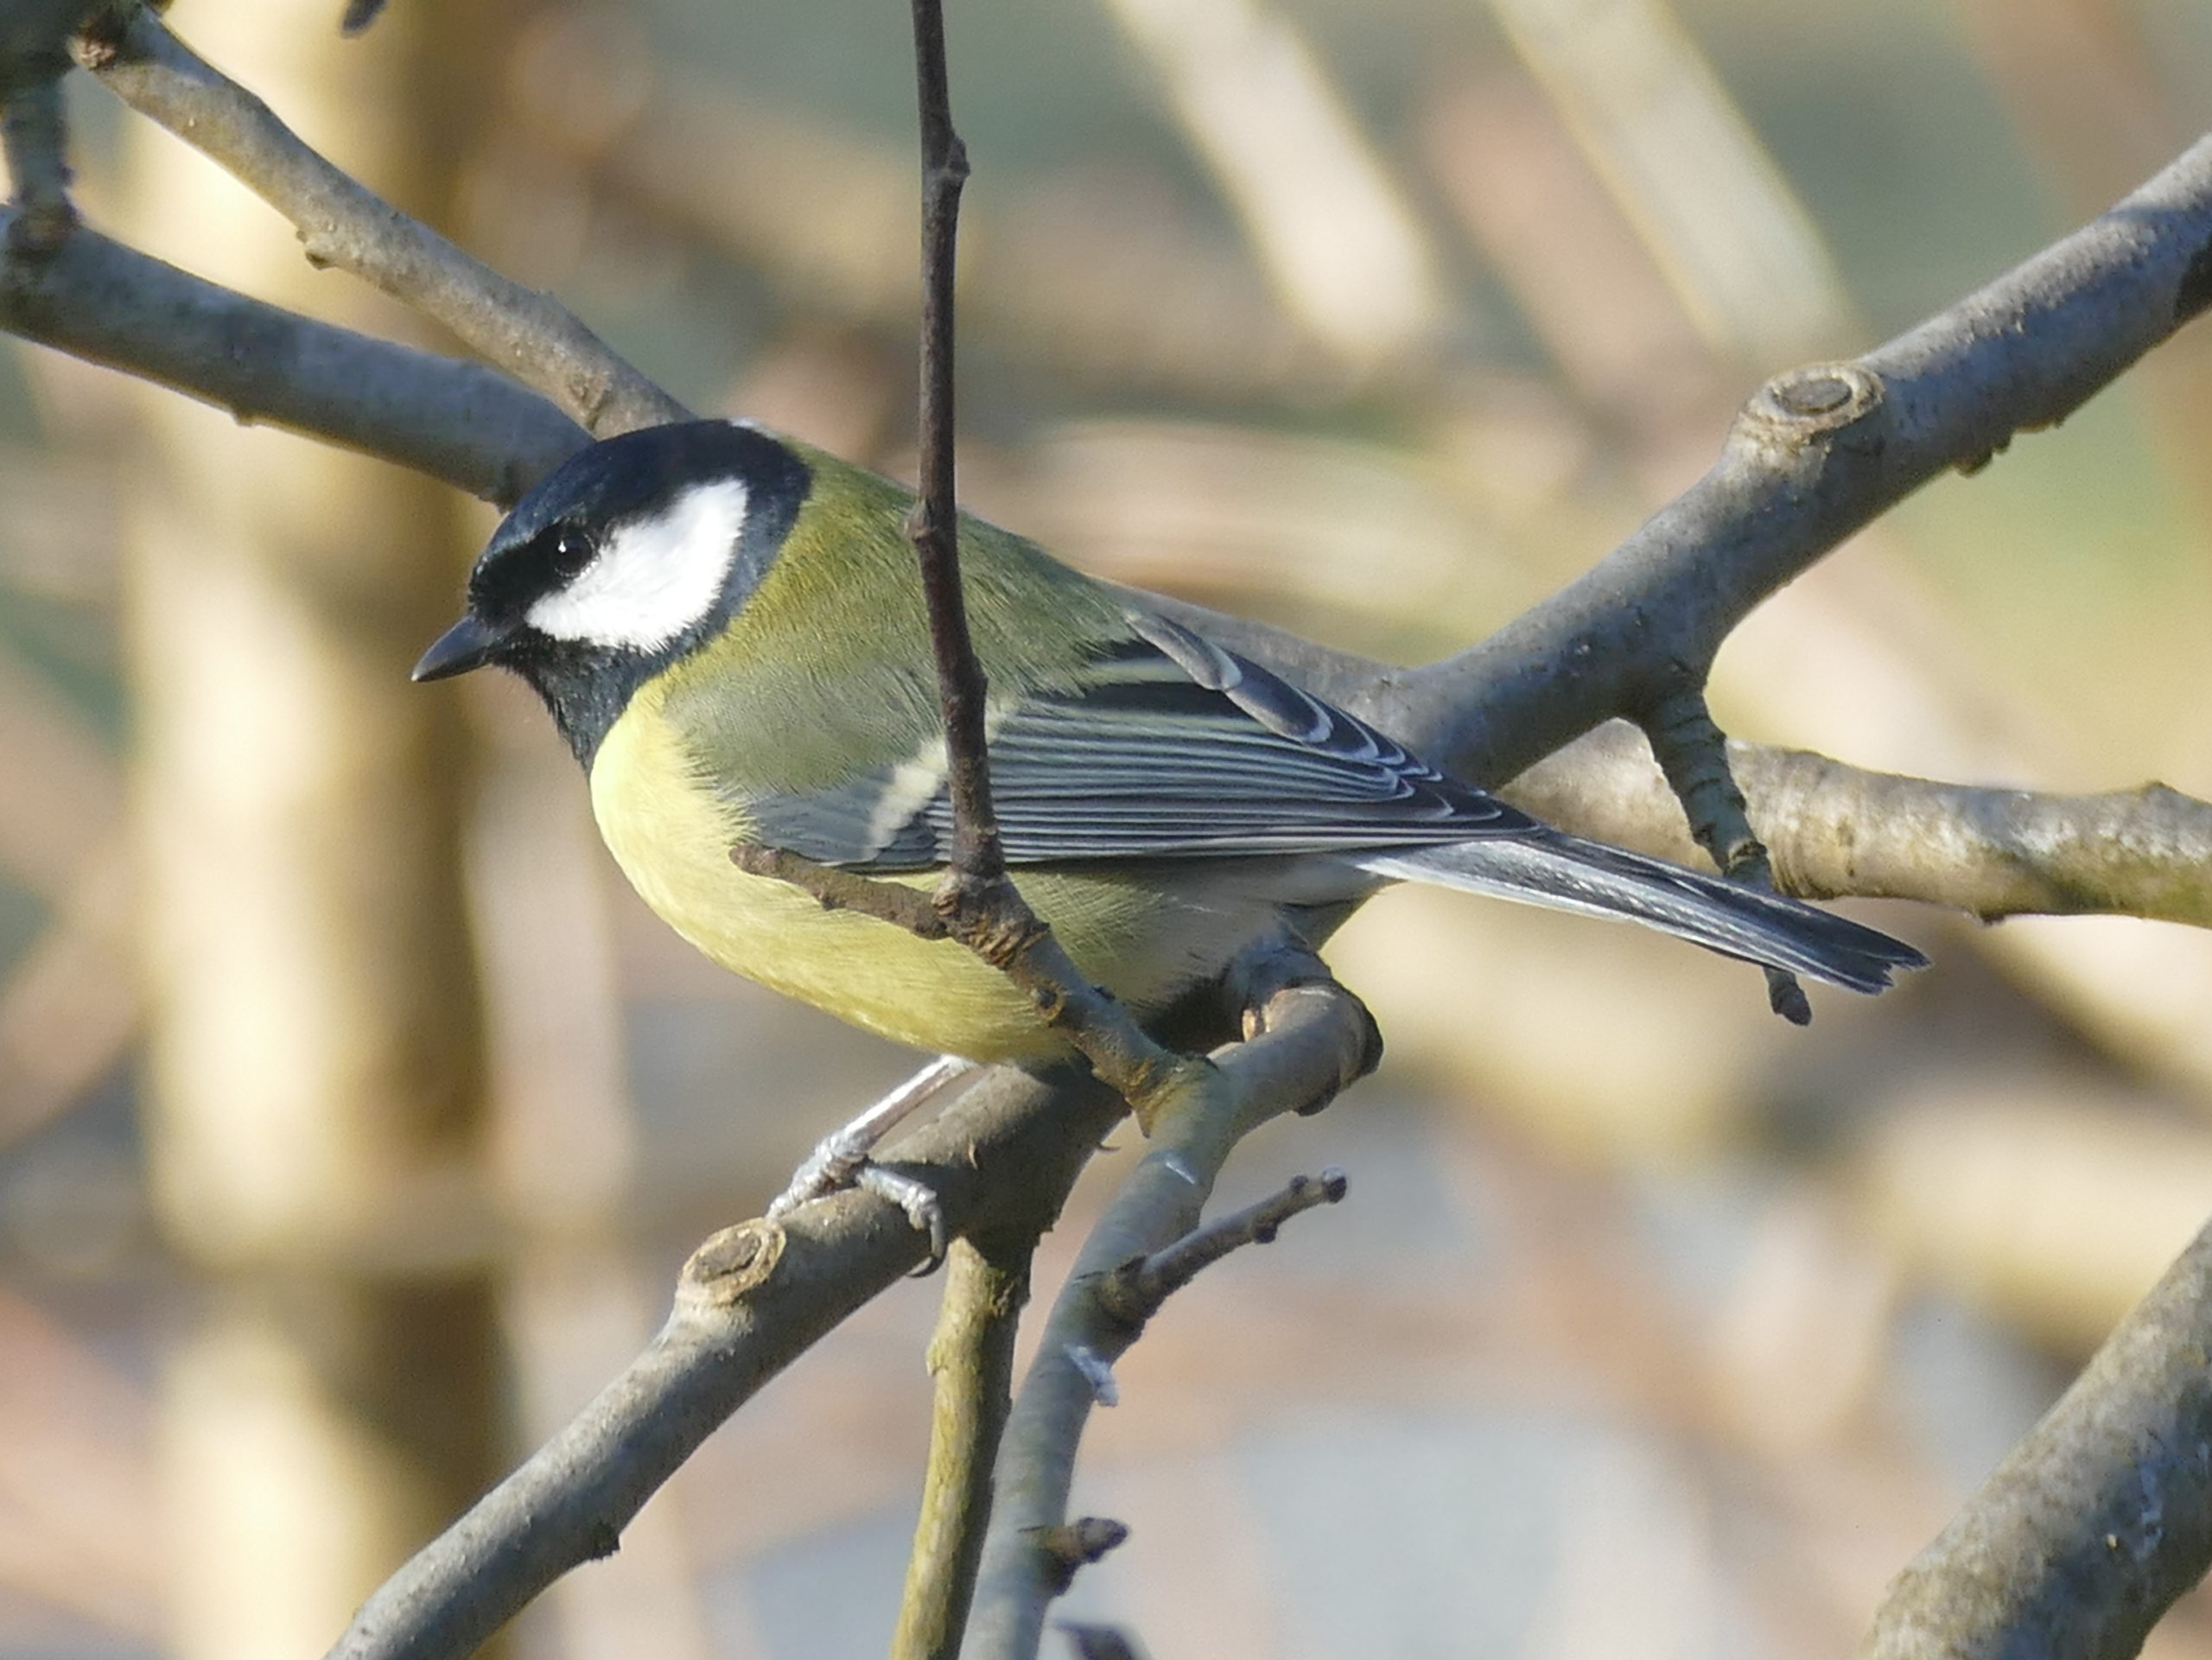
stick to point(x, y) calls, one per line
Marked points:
point(1568, 873)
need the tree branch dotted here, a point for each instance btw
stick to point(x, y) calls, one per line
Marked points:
point(971, 1370)
point(1818, 453)
point(2096, 1521)
point(1136, 1290)
point(754, 1298)
point(978, 861)
point(468, 425)
point(1157, 1205)
point(343, 223)
point(1838, 830)
point(34, 134)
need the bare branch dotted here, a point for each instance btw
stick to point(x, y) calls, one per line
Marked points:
point(36, 137)
point(978, 861)
point(2146, 852)
point(1816, 454)
point(1838, 830)
point(1158, 1205)
point(342, 222)
point(2096, 1521)
point(459, 422)
point(1134, 1293)
point(971, 1365)
point(753, 1299)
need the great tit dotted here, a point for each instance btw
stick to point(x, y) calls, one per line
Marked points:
point(729, 629)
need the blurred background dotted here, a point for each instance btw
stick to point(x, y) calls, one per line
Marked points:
point(354, 1117)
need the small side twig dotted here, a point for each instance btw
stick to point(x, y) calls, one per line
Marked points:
point(1693, 755)
point(1073, 1546)
point(1134, 1292)
point(1101, 1642)
point(359, 15)
point(1158, 1203)
point(971, 1365)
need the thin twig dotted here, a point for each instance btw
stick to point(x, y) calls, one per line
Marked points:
point(971, 1367)
point(1693, 755)
point(978, 862)
point(1134, 1292)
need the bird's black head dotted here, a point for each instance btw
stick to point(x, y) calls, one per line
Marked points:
point(632, 552)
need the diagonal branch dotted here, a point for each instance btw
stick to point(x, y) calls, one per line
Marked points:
point(468, 425)
point(2096, 1521)
point(754, 1298)
point(343, 223)
point(1818, 453)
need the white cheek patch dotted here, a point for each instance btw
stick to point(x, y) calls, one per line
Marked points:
point(654, 578)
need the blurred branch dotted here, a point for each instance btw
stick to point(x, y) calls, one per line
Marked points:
point(470, 426)
point(1348, 257)
point(2096, 1521)
point(70, 1005)
point(1739, 251)
point(1107, 279)
point(35, 135)
point(342, 222)
point(755, 1297)
point(1157, 1205)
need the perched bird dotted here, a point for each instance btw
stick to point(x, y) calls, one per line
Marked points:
point(729, 629)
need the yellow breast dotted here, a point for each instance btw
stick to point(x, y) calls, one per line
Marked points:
point(671, 834)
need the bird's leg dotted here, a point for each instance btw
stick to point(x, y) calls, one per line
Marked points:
point(841, 1160)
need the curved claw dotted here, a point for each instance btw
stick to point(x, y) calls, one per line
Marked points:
point(920, 1203)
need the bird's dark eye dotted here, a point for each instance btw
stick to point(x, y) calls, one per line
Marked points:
point(572, 551)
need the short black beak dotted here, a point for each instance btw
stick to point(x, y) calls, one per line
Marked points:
point(467, 645)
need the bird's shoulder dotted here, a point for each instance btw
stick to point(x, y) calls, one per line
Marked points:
point(827, 670)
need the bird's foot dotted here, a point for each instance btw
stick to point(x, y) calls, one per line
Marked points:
point(841, 1158)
